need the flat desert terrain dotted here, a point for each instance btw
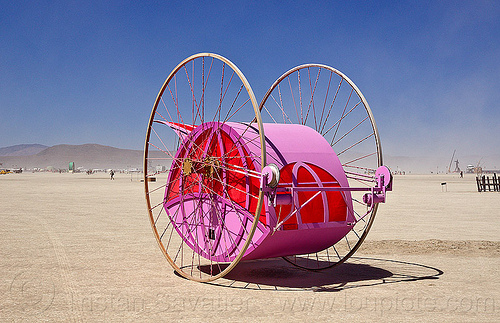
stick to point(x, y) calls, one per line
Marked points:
point(80, 248)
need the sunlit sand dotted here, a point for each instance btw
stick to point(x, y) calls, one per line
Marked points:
point(78, 247)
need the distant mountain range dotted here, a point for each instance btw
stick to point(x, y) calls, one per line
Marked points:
point(89, 156)
point(22, 150)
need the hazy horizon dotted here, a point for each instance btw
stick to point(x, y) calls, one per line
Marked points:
point(91, 155)
point(76, 73)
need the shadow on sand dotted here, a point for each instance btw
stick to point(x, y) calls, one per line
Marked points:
point(277, 274)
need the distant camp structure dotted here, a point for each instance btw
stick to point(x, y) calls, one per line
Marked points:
point(4, 171)
point(72, 167)
point(484, 183)
point(457, 169)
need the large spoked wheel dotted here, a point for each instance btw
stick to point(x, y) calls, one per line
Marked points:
point(326, 100)
point(201, 180)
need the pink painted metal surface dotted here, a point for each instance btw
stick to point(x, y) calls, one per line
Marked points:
point(308, 210)
point(302, 180)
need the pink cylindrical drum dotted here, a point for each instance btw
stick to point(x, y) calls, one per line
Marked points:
point(219, 156)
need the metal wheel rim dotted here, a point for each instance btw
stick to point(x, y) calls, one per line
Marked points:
point(257, 119)
point(378, 148)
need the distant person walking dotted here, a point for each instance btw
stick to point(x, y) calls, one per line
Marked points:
point(112, 174)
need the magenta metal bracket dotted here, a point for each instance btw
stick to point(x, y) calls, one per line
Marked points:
point(270, 188)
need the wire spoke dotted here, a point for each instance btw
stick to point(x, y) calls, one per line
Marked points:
point(355, 144)
point(348, 132)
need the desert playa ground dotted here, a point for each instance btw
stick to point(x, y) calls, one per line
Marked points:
point(78, 247)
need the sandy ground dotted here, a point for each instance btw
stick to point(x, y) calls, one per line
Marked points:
point(80, 248)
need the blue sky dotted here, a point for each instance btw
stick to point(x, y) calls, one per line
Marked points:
point(78, 72)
